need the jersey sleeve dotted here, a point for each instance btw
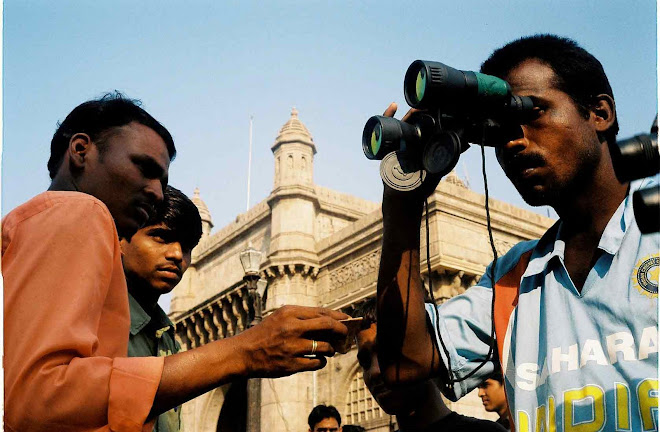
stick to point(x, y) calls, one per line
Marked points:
point(63, 369)
point(462, 327)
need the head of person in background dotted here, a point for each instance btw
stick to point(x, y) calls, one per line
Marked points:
point(493, 396)
point(417, 407)
point(157, 255)
point(113, 149)
point(155, 259)
point(324, 418)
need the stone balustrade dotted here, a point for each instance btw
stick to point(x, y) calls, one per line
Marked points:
point(222, 316)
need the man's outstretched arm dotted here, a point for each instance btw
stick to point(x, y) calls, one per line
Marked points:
point(274, 348)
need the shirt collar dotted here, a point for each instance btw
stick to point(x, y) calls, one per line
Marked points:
point(622, 219)
point(140, 318)
point(550, 245)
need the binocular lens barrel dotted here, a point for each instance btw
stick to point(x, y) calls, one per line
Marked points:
point(430, 84)
point(636, 157)
point(383, 135)
point(646, 204)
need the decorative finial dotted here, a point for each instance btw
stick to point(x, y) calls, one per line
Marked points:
point(196, 193)
point(294, 112)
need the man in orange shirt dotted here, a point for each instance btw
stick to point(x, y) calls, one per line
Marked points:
point(66, 306)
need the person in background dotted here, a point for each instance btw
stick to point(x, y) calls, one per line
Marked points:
point(493, 396)
point(155, 259)
point(324, 418)
point(418, 407)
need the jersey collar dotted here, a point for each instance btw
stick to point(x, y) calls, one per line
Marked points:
point(551, 246)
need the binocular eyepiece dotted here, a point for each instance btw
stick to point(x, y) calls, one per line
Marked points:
point(460, 107)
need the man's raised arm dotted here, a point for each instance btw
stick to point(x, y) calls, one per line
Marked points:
point(406, 349)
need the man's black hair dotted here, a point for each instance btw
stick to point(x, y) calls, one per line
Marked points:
point(497, 376)
point(578, 73)
point(321, 412)
point(366, 310)
point(96, 118)
point(180, 215)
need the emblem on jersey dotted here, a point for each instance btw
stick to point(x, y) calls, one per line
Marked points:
point(646, 274)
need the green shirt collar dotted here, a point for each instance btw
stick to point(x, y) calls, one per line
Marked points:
point(140, 318)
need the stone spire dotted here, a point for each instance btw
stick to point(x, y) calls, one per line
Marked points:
point(207, 222)
point(294, 131)
point(294, 152)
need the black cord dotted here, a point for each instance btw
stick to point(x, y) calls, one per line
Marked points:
point(491, 345)
point(431, 293)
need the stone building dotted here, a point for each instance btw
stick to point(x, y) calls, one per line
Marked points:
point(322, 248)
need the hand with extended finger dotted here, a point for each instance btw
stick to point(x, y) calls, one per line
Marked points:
point(292, 339)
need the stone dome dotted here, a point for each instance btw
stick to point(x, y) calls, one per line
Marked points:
point(294, 131)
point(204, 212)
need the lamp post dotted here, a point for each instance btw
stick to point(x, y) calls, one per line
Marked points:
point(251, 260)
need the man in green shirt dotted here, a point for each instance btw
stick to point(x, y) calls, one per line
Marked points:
point(155, 259)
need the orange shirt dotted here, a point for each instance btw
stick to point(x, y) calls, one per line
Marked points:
point(67, 321)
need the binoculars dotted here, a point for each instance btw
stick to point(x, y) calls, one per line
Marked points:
point(635, 158)
point(460, 107)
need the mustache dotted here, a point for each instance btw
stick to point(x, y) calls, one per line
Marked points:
point(520, 161)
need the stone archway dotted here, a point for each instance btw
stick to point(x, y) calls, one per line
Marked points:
point(211, 405)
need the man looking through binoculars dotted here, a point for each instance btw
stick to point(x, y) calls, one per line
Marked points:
point(575, 327)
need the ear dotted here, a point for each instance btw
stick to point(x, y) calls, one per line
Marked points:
point(79, 147)
point(123, 244)
point(603, 112)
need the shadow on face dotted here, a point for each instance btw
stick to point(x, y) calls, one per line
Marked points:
point(393, 401)
point(154, 260)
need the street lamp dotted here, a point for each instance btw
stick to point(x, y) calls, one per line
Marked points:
point(251, 260)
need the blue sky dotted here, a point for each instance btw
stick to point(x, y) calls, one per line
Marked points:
point(202, 68)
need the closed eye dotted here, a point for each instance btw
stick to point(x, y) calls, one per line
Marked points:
point(149, 167)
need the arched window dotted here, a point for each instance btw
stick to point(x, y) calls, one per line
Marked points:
point(361, 407)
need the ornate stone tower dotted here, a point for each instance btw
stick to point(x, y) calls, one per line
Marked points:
point(293, 204)
point(292, 263)
point(294, 152)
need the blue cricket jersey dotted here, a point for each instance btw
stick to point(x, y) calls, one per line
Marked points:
point(573, 361)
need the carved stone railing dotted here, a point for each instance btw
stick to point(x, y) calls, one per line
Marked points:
point(222, 316)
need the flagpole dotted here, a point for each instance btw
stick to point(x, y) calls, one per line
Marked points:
point(247, 205)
